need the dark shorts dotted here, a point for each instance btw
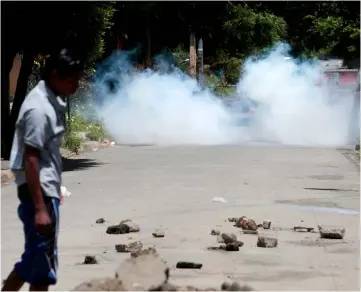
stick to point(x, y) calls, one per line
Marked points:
point(39, 262)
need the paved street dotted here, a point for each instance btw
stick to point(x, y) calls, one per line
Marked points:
point(173, 188)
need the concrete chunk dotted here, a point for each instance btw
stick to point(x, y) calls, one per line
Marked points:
point(331, 232)
point(266, 241)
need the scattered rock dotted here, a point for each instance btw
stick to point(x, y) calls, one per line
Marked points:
point(140, 252)
point(188, 288)
point(303, 229)
point(331, 232)
point(121, 248)
point(233, 219)
point(133, 227)
point(232, 247)
point(259, 225)
point(168, 287)
point(148, 272)
point(215, 248)
point(220, 239)
point(250, 231)
point(235, 287)
point(130, 247)
point(106, 284)
point(118, 229)
point(100, 221)
point(266, 241)
point(188, 265)
point(246, 223)
point(136, 245)
point(215, 232)
point(158, 233)
point(228, 237)
point(90, 260)
point(266, 224)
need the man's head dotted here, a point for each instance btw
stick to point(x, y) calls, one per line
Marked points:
point(63, 71)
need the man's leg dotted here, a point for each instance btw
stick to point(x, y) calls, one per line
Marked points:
point(39, 262)
point(38, 288)
point(13, 282)
point(44, 268)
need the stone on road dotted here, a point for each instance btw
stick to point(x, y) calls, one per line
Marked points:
point(173, 187)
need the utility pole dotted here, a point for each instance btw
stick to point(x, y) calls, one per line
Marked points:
point(201, 68)
point(192, 56)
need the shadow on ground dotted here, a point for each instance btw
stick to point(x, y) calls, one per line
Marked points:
point(79, 164)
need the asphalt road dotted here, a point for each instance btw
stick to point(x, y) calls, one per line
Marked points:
point(173, 188)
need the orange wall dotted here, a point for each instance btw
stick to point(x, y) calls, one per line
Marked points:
point(14, 73)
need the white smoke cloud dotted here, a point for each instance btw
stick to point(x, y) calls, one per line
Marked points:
point(167, 107)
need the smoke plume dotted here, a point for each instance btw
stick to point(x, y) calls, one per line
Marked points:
point(287, 101)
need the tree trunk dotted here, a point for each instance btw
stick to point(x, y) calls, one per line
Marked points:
point(192, 56)
point(148, 57)
point(8, 59)
point(20, 93)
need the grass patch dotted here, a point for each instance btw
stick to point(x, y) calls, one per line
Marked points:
point(78, 123)
point(72, 142)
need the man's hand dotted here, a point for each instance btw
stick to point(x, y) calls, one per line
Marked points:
point(61, 198)
point(43, 222)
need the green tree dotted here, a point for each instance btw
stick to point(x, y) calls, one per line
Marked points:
point(79, 24)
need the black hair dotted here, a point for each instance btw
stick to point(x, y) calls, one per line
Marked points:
point(65, 62)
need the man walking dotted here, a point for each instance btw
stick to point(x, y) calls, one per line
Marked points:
point(37, 165)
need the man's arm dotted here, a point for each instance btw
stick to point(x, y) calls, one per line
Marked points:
point(35, 126)
point(32, 156)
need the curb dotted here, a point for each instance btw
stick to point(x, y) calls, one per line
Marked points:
point(88, 146)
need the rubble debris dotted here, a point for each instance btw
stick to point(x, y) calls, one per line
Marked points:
point(219, 200)
point(215, 248)
point(146, 272)
point(130, 247)
point(133, 227)
point(105, 284)
point(331, 232)
point(233, 219)
point(234, 246)
point(90, 260)
point(140, 252)
point(220, 239)
point(215, 232)
point(169, 287)
point(188, 265)
point(228, 237)
point(158, 233)
point(266, 241)
point(303, 229)
point(246, 223)
point(250, 231)
point(235, 287)
point(266, 224)
point(118, 229)
point(100, 221)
